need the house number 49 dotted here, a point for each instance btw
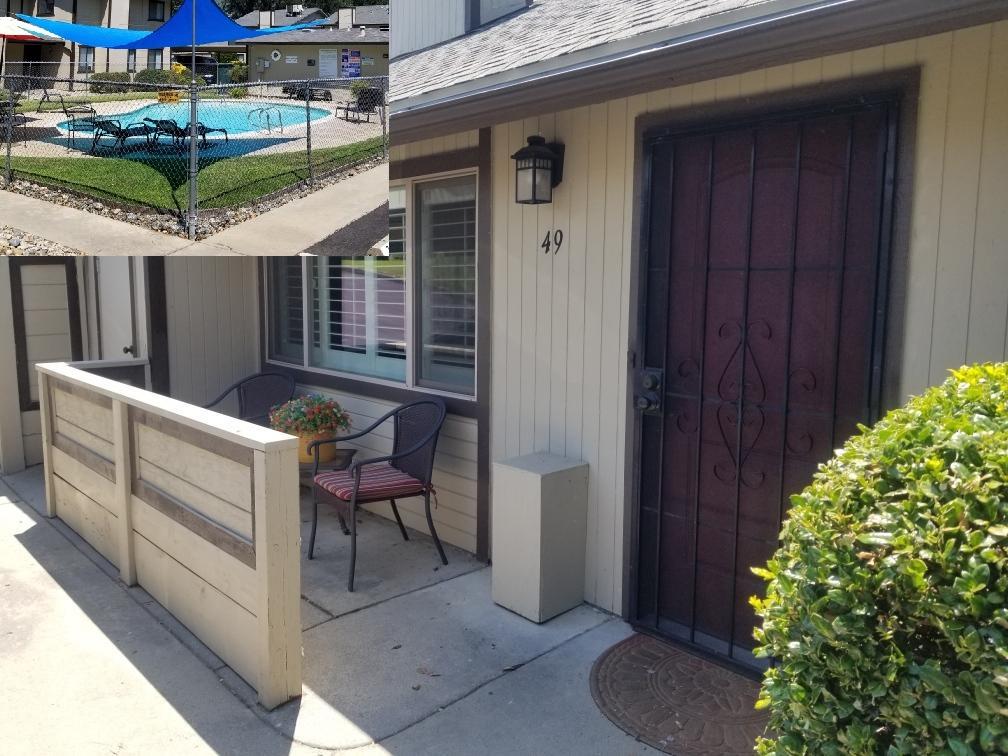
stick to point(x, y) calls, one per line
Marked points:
point(552, 242)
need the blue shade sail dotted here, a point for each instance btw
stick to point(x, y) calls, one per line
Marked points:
point(212, 25)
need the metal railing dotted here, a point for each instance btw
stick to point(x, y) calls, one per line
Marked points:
point(131, 141)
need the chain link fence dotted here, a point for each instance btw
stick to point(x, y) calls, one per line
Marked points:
point(181, 149)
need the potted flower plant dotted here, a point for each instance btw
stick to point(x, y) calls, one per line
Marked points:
point(311, 417)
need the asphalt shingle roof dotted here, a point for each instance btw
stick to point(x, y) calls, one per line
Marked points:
point(323, 36)
point(280, 18)
point(371, 14)
point(546, 30)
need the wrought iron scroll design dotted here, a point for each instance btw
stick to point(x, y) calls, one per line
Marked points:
point(742, 404)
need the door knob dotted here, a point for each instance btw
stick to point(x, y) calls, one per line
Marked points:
point(129, 350)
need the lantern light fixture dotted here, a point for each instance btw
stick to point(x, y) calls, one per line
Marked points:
point(538, 169)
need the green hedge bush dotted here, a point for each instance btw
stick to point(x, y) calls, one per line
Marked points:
point(885, 607)
point(163, 76)
point(111, 82)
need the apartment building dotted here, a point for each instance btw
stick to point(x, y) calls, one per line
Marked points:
point(70, 60)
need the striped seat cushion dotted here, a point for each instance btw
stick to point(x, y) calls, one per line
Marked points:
point(380, 481)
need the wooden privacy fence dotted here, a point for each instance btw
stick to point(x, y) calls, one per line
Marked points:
point(198, 508)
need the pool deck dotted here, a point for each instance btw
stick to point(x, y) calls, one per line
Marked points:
point(46, 139)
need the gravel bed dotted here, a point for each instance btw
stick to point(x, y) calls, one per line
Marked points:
point(13, 241)
point(209, 222)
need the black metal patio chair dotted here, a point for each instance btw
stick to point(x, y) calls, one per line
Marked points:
point(404, 473)
point(369, 99)
point(9, 117)
point(257, 395)
point(113, 128)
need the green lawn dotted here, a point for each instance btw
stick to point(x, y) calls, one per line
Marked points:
point(162, 182)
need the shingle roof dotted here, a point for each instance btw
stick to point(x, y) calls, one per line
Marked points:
point(324, 37)
point(546, 30)
point(371, 14)
point(280, 17)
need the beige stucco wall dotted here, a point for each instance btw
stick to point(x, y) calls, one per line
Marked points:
point(561, 323)
point(281, 70)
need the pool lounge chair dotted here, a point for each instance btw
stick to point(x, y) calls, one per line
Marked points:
point(169, 127)
point(113, 128)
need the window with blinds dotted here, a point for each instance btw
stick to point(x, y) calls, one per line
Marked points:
point(359, 315)
point(446, 235)
point(356, 312)
point(286, 318)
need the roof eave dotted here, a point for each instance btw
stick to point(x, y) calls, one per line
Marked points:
point(684, 57)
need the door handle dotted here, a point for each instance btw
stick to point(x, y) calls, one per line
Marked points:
point(129, 350)
point(648, 394)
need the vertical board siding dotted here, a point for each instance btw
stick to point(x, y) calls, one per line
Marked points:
point(454, 468)
point(438, 145)
point(213, 324)
point(422, 23)
point(561, 323)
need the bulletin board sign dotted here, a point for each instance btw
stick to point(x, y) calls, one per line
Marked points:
point(350, 61)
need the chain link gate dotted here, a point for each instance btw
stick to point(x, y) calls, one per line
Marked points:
point(130, 139)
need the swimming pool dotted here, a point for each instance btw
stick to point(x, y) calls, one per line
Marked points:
point(236, 117)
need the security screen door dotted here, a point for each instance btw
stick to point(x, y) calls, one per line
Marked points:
point(762, 319)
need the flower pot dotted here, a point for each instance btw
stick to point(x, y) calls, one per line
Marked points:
point(327, 453)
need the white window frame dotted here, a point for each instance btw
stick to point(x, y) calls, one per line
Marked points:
point(408, 186)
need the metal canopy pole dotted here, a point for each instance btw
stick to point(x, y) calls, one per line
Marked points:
point(193, 155)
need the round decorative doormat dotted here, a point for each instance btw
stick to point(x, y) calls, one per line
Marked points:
point(674, 701)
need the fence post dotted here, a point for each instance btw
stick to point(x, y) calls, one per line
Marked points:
point(46, 416)
point(278, 573)
point(8, 137)
point(307, 109)
point(193, 158)
point(123, 449)
point(384, 118)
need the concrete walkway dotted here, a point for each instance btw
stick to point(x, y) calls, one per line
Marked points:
point(286, 230)
point(418, 661)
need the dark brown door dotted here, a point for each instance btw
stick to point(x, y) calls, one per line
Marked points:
point(763, 309)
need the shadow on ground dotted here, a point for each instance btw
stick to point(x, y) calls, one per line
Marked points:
point(418, 659)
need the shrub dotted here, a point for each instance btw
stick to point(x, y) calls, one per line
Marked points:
point(309, 415)
point(886, 606)
point(239, 73)
point(153, 76)
point(180, 74)
point(111, 82)
point(238, 92)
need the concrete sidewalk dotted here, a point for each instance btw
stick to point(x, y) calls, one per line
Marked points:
point(95, 667)
point(287, 230)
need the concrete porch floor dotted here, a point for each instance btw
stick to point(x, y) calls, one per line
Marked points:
point(417, 660)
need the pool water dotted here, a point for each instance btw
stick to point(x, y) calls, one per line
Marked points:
point(236, 117)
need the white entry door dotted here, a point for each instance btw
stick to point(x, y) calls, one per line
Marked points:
point(329, 63)
point(115, 309)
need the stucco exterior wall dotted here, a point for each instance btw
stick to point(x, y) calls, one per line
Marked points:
point(281, 70)
point(561, 323)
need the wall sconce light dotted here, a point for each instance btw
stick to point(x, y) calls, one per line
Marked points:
point(538, 168)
